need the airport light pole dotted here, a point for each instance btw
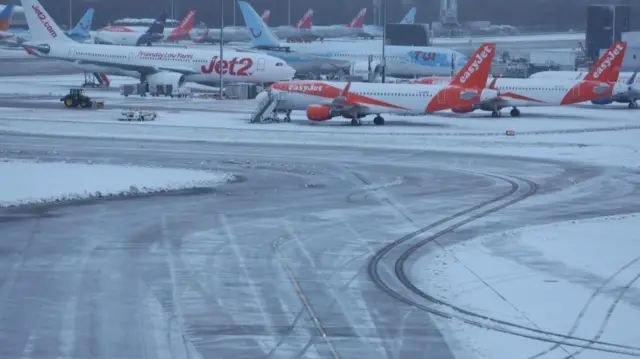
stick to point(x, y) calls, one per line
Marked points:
point(289, 13)
point(70, 14)
point(384, 40)
point(221, 49)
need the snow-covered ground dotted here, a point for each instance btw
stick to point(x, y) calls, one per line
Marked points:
point(577, 277)
point(567, 277)
point(24, 182)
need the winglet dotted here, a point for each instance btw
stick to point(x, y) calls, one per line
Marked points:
point(632, 79)
point(607, 69)
point(475, 72)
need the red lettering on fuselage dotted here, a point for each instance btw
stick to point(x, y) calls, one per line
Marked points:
point(228, 67)
point(43, 19)
point(425, 56)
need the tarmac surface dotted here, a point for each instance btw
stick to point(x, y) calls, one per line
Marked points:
point(270, 266)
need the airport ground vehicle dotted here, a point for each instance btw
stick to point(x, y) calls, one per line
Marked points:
point(137, 115)
point(76, 97)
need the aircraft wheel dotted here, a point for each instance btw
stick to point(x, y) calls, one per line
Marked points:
point(378, 120)
point(515, 112)
point(496, 113)
point(355, 122)
point(633, 104)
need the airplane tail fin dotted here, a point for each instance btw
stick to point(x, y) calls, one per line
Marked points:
point(5, 17)
point(607, 69)
point(83, 27)
point(475, 72)
point(305, 22)
point(261, 35)
point(632, 79)
point(265, 16)
point(410, 17)
point(184, 27)
point(158, 26)
point(358, 21)
point(41, 24)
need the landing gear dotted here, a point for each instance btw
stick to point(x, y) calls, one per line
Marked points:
point(287, 117)
point(633, 105)
point(355, 121)
point(496, 113)
point(514, 112)
point(378, 121)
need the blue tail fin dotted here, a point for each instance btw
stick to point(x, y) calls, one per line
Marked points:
point(83, 27)
point(5, 17)
point(261, 36)
point(410, 17)
point(158, 26)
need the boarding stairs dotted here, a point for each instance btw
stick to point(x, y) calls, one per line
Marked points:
point(96, 79)
point(266, 110)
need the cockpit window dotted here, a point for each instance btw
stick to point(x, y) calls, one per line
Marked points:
point(279, 64)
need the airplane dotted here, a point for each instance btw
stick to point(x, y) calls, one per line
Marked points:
point(599, 83)
point(82, 30)
point(157, 66)
point(123, 36)
point(373, 31)
point(302, 63)
point(324, 100)
point(182, 31)
point(402, 61)
point(301, 32)
point(630, 79)
point(231, 33)
point(333, 31)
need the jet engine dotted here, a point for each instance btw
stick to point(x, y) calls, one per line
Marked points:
point(463, 109)
point(319, 112)
point(602, 101)
point(165, 78)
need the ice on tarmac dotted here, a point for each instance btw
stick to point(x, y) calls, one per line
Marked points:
point(25, 182)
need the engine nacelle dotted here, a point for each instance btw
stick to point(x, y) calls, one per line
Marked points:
point(489, 95)
point(319, 112)
point(463, 109)
point(602, 101)
point(165, 78)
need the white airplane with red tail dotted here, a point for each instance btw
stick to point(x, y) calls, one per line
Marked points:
point(600, 82)
point(324, 100)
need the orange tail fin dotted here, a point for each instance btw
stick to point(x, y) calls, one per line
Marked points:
point(607, 69)
point(475, 72)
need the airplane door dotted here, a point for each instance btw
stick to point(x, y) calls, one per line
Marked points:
point(72, 52)
point(261, 65)
point(130, 57)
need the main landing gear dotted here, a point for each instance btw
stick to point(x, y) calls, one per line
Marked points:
point(514, 112)
point(356, 121)
point(633, 105)
point(378, 120)
point(287, 116)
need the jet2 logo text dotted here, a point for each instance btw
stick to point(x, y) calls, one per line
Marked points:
point(228, 67)
point(43, 19)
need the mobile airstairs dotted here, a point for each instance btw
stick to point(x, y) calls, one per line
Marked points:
point(266, 111)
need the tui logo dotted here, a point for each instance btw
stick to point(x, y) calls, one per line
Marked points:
point(255, 36)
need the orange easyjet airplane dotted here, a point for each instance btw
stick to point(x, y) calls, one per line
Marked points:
point(600, 82)
point(324, 100)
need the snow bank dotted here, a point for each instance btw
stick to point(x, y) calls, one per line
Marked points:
point(23, 182)
point(579, 278)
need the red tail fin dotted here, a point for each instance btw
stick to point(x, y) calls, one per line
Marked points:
point(265, 16)
point(305, 22)
point(607, 69)
point(184, 27)
point(358, 21)
point(475, 72)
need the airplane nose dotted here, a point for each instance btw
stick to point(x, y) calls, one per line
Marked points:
point(289, 72)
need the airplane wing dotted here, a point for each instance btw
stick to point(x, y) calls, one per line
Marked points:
point(147, 70)
point(343, 103)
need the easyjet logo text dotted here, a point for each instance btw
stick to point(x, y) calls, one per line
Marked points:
point(475, 65)
point(606, 63)
point(43, 19)
point(233, 67)
point(305, 88)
